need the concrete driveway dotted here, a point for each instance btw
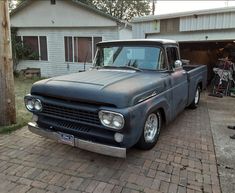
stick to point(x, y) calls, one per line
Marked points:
point(182, 161)
point(222, 114)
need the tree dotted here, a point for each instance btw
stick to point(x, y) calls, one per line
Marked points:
point(7, 96)
point(14, 3)
point(122, 9)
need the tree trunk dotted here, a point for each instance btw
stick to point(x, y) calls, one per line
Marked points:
point(7, 96)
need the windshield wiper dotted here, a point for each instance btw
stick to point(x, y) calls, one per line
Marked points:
point(131, 67)
point(117, 67)
point(122, 67)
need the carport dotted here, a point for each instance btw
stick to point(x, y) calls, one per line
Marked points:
point(207, 52)
point(204, 36)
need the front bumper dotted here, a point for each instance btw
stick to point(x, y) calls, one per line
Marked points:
point(82, 144)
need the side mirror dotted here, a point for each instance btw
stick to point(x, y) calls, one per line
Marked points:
point(178, 64)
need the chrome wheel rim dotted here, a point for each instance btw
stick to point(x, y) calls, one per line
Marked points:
point(196, 96)
point(151, 127)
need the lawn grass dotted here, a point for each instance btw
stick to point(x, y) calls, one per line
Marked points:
point(22, 87)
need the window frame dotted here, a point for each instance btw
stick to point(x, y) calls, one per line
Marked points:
point(177, 57)
point(93, 52)
point(161, 50)
point(87, 48)
point(68, 47)
point(28, 45)
point(39, 46)
point(163, 57)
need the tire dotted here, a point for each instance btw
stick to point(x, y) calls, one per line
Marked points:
point(196, 99)
point(151, 131)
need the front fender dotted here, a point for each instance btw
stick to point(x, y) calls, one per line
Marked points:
point(139, 112)
point(136, 115)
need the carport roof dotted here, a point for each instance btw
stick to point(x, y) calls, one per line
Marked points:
point(183, 14)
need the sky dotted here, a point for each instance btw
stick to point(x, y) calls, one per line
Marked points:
point(164, 6)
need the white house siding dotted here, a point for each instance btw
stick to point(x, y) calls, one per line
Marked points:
point(56, 64)
point(63, 14)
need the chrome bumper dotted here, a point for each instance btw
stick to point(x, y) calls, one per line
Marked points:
point(82, 144)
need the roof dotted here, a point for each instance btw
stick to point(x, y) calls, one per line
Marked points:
point(78, 3)
point(184, 14)
point(133, 41)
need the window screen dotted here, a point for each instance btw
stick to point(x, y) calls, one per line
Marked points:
point(31, 45)
point(43, 47)
point(83, 49)
point(68, 49)
point(79, 49)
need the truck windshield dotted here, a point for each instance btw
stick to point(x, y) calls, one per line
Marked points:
point(133, 57)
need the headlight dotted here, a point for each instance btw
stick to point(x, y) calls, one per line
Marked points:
point(29, 103)
point(33, 104)
point(37, 105)
point(111, 119)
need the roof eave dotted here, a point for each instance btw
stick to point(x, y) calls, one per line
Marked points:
point(183, 14)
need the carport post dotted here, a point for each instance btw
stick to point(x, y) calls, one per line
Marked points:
point(7, 96)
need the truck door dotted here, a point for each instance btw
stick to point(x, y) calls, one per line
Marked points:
point(179, 83)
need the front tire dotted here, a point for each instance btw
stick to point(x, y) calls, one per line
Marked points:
point(196, 99)
point(151, 131)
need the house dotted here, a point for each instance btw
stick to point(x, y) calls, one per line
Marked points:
point(62, 34)
point(204, 36)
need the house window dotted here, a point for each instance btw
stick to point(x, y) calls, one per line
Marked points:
point(53, 2)
point(68, 47)
point(35, 47)
point(43, 47)
point(80, 49)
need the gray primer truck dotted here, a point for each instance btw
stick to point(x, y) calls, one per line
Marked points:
point(134, 88)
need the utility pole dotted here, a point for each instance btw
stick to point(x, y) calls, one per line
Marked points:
point(7, 94)
point(153, 7)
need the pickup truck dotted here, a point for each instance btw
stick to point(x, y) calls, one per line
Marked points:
point(134, 88)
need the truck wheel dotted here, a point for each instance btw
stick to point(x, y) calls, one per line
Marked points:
point(151, 131)
point(196, 99)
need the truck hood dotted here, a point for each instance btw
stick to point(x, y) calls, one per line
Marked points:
point(120, 88)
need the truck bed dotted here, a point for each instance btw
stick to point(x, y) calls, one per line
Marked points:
point(191, 67)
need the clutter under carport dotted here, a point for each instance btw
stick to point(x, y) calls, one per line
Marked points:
point(223, 82)
point(208, 53)
point(219, 56)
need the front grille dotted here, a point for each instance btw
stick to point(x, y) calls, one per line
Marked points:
point(71, 114)
point(81, 131)
point(60, 124)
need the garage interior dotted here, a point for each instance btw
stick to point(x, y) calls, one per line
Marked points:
point(208, 53)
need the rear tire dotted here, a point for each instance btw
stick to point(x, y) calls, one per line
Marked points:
point(151, 131)
point(196, 99)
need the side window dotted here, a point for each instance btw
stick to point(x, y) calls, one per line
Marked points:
point(161, 61)
point(172, 55)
